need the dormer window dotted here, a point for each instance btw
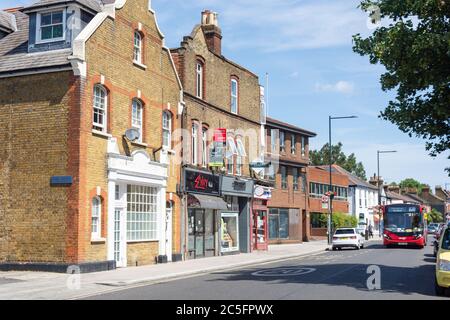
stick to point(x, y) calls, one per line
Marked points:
point(51, 26)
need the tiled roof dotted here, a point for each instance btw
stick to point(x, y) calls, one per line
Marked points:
point(91, 4)
point(7, 21)
point(393, 195)
point(272, 121)
point(14, 54)
point(354, 180)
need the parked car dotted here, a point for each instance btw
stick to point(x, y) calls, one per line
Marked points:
point(443, 264)
point(437, 237)
point(433, 228)
point(347, 237)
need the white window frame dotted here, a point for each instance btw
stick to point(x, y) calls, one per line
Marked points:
point(273, 140)
point(167, 129)
point(234, 96)
point(96, 215)
point(38, 26)
point(137, 122)
point(204, 147)
point(97, 125)
point(231, 152)
point(194, 143)
point(199, 80)
point(137, 47)
point(139, 228)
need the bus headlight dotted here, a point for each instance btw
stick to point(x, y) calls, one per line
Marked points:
point(444, 265)
point(386, 236)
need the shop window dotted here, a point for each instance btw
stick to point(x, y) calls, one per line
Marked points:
point(142, 213)
point(229, 232)
point(278, 223)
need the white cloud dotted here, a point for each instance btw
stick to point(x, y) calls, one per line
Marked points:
point(344, 87)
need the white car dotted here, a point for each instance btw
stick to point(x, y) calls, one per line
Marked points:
point(347, 237)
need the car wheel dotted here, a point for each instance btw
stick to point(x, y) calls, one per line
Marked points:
point(440, 291)
point(362, 246)
point(339, 249)
point(333, 248)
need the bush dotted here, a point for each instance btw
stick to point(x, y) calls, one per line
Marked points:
point(342, 220)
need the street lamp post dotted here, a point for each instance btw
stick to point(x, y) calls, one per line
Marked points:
point(379, 185)
point(330, 187)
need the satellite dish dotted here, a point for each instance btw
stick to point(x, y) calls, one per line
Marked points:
point(132, 134)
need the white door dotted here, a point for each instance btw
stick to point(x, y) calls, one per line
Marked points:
point(168, 239)
point(120, 255)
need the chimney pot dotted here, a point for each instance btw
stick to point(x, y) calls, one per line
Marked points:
point(212, 32)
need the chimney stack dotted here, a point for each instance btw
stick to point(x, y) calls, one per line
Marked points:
point(212, 32)
point(374, 180)
point(395, 189)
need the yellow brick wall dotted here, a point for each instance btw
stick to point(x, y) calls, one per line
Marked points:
point(33, 147)
point(109, 53)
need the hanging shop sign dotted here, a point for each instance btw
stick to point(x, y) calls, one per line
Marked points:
point(201, 182)
point(262, 192)
point(217, 151)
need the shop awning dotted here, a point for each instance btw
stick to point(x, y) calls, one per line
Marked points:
point(210, 202)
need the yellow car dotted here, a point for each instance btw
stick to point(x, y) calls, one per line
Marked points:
point(443, 263)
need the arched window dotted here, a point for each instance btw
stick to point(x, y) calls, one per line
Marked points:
point(199, 79)
point(137, 117)
point(205, 150)
point(234, 96)
point(137, 57)
point(100, 106)
point(167, 129)
point(96, 218)
point(194, 143)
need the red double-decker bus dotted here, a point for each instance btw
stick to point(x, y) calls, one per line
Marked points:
point(404, 224)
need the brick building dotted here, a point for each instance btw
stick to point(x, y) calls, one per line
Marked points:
point(89, 98)
point(319, 181)
point(288, 152)
point(222, 109)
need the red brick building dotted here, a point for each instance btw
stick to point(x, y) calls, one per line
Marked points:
point(288, 152)
point(319, 180)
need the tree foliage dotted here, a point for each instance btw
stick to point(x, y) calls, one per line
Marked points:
point(349, 163)
point(415, 50)
point(412, 183)
point(435, 216)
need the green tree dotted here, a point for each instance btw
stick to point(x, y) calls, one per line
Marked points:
point(342, 220)
point(412, 183)
point(349, 163)
point(416, 56)
point(435, 216)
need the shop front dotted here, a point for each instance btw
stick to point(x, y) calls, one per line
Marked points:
point(235, 219)
point(260, 232)
point(203, 213)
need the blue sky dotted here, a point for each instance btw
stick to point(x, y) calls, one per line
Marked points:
point(306, 47)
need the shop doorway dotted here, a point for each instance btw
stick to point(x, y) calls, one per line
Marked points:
point(260, 232)
point(120, 255)
point(201, 242)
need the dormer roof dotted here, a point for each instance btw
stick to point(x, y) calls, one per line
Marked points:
point(95, 5)
point(7, 22)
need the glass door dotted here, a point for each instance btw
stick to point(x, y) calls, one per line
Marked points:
point(119, 238)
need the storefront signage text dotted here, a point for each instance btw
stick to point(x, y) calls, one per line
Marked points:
point(201, 182)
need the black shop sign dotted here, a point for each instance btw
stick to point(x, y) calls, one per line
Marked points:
point(201, 182)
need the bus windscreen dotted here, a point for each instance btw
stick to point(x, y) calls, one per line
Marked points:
point(403, 219)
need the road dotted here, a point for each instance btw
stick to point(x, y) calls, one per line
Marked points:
point(405, 273)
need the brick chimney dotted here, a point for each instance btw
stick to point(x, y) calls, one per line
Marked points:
point(426, 190)
point(212, 32)
point(395, 189)
point(410, 190)
point(374, 180)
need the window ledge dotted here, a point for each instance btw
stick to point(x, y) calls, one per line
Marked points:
point(141, 241)
point(102, 134)
point(98, 240)
point(139, 144)
point(169, 151)
point(140, 65)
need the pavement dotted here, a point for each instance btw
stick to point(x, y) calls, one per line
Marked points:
point(373, 273)
point(52, 286)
